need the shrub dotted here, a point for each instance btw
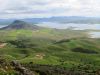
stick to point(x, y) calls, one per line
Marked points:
point(83, 50)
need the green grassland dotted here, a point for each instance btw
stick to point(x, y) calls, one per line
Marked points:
point(66, 48)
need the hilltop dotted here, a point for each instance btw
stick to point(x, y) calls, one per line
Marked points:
point(18, 24)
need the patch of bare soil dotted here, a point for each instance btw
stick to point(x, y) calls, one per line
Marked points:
point(40, 55)
point(2, 45)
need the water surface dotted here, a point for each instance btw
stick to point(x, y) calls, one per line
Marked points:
point(2, 26)
point(74, 26)
point(95, 34)
point(67, 25)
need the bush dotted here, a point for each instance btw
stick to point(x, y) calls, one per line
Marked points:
point(83, 50)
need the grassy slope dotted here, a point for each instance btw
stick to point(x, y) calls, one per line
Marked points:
point(44, 44)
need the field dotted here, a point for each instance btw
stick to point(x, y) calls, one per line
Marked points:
point(68, 49)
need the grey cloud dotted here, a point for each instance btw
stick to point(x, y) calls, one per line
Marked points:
point(49, 7)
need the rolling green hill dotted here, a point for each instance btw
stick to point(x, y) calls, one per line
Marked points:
point(53, 47)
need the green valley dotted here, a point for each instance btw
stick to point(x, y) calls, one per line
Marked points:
point(48, 51)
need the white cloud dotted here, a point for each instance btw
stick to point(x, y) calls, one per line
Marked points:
point(45, 8)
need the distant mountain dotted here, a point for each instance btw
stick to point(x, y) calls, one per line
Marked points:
point(75, 19)
point(66, 19)
point(58, 19)
point(17, 24)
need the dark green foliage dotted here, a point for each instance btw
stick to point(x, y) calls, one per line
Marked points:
point(22, 42)
point(62, 41)
point(58, 70)
point(83, 50)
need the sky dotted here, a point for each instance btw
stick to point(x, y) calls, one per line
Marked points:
point(48, 8)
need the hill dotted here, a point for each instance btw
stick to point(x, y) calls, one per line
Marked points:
point(48, 51)
point(17, 24)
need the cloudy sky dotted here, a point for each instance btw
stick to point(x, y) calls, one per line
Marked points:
point(48, 8)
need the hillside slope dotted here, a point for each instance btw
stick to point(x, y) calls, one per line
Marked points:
point(50, 51)
point(17, 24)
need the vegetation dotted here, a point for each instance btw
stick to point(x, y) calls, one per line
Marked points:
point(49, 52)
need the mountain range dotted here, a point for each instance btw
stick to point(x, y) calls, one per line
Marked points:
point(58, 19)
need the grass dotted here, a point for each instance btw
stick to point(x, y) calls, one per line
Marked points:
point(57, 47)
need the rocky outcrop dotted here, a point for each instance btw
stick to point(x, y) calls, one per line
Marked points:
point(22, 70)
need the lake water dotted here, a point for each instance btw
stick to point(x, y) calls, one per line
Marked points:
point(74, 26)
point(95, 34)
point(2, 26)
point(67, 25)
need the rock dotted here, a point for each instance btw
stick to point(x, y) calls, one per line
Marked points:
point(18, 67)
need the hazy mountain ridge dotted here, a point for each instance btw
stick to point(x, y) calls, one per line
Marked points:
point(59, 19)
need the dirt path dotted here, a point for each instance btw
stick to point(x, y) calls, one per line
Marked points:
point(2, 45)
